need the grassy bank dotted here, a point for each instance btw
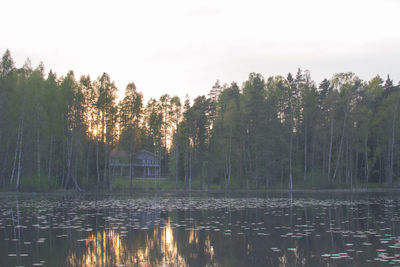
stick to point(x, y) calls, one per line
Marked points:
point(122, 184)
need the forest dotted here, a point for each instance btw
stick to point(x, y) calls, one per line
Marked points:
point(285, 132)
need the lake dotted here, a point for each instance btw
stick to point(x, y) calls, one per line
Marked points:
point(201, 229)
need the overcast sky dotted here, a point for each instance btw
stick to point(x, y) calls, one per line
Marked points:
point(184, 46)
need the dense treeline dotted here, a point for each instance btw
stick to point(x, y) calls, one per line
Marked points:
point(278, 132)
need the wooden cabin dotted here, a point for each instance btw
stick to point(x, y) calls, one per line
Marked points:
point(142, 164)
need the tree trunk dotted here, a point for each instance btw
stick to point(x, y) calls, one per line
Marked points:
point(225, 168)
point(351, 168)
point(230, 159)
point(190, 168)
point(330, 151)
point(366, 162)
point(290, 161)
point(104, 139)
point(313, 157)
point(228, 163)
point(159, 175)
point(282, 171)
point(111, 174)
point(176, 162)
point(390, 180)
point(130, 167)
point(15, 154)
point(97, 151)
point(97, 162)
point(159, 171)
point(69, 161)
point(75, 176)
point(20, 150)
point(250, 167)
point(4, 166)
point(340, 148)
point(305, 151)
point(38, 149)
point(244, 163)
point(186, 164)
point(165, 143)
point(347, 160)
point(105, 164)
point(62, 166)
point(356, 165)
point(50, 157)
point(87, 164)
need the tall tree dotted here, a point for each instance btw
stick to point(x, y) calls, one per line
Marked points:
point(130, 113)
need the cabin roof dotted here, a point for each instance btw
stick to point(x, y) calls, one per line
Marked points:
point(146, 152)
point(125, 154)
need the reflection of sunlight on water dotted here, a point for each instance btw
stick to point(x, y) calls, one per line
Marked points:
point(193, 239)
point(208, 249)
point(108, 248)
point(169, 242)
point(100, 248)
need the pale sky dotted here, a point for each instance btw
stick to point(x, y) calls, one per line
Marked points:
point(184, 46)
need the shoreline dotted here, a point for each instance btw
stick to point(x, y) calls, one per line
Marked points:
point(202, 191)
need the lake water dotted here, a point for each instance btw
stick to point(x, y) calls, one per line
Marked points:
point(201, 230)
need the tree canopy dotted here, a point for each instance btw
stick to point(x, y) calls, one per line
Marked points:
point(280, 132)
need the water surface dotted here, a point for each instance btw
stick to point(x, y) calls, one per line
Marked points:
point(202, 230)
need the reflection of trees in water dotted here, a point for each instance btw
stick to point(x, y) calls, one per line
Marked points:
point(160, 245)
point(187, 237)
